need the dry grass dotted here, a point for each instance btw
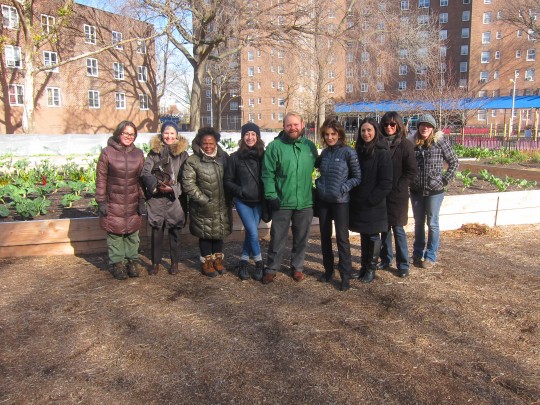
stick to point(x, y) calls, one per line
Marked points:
point(465, 332)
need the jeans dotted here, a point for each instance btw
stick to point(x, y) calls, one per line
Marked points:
point(402, 250)
point(426, 207)
point(123, 247)
point(301, 223)
point(339, 213)
point(250, 217)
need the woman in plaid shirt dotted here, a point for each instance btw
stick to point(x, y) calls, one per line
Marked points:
point(427, 190)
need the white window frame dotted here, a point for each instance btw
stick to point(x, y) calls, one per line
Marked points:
point(486, 37)
point(47, 23)
point(142, 74)
point(443, 35)
point(529, 75)
point(16, 94)
point(50, 58)
point(423, 3)
point(466, 15)
point(90, 34)
point(404, 4)
point(443, 18)
point(331, 88)
point(10, 17)
point(518, 53)
point(92, 67)
point(485, 56)
point(250, 55)
point(364, 87)
point(281, 102)
point(487, 17)
point(421, 85)
point(482, 115)
point(233, 106)
point(463, 67)
point(144, 102)
point(531, 55)
point(141, 46)
point(54, 97)
point(349, 88)
point(117, 37)
point(93, 99)
point(251, 71)
point(251, 87)
point(464, 50)
point(119, 70)
point(120, 100)
point(443, 3)
point(465, 32)
point(402, 85)
point(497, 55)
point(403, 70)
point(484, 76)
point(13, 55)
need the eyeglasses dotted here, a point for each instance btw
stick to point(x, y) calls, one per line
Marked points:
point(389, 124)
point(127, 134)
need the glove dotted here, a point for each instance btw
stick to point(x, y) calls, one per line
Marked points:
point(141, 207)
point(274, 205)
point(165, 189)
point(102, 209)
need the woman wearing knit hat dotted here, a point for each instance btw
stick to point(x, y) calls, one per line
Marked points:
point(431, 150)
point(161, 175)
point(243, 181)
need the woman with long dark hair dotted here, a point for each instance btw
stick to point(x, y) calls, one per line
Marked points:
point(397, 201)
point(368, 214)
point(243, 181)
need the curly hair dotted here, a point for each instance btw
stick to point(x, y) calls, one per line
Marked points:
point(207, 131)
point(332, 123)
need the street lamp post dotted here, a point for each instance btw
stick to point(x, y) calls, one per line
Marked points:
point(516, 75)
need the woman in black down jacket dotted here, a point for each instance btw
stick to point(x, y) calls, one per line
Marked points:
point(397, 202)
point(368, 214)
point(242, 180)
point(340, 172)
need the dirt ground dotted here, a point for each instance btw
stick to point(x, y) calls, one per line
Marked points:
point(466, 331)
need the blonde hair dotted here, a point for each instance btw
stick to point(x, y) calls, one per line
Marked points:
point(418, 141)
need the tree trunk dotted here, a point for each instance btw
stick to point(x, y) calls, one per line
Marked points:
point(196, 92)
point(28, 124)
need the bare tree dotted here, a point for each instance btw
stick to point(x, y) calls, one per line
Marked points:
point(523, 14)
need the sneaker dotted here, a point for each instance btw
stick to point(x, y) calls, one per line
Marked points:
point(383, 266)
point(268, 278)
point(298, 276)
point(402, 273)
point(427, 264)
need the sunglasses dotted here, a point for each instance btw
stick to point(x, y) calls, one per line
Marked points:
point(389, 124)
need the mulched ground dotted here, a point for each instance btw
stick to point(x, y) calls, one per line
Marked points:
point(466, 331)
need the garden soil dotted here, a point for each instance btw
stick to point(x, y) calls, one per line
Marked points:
point(466, 331)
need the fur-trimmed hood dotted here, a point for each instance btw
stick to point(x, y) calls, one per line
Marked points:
point(175, 149)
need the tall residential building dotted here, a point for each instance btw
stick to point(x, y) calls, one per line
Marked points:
point(394, 50)
point(92, 93)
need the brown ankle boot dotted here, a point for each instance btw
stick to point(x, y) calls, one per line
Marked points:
point(208, 266)
point(174, 269)
point(153, 270)
point(218, 263)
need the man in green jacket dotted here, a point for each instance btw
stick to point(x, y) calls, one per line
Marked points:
point(287, 166)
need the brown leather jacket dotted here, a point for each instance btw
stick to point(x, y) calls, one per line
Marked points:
point(117, 185)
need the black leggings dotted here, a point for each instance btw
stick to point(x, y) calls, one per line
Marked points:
point(157, 244)
point(210, 246)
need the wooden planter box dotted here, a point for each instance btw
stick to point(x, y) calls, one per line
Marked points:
point(83, 235)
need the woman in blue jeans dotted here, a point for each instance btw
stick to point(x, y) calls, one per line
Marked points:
point(431, 150)
point(242, 180)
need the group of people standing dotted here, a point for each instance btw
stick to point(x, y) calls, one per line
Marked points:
point(364, 189)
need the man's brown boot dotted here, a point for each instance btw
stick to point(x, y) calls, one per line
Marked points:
point(208, 266)
point(174, 269)
point(218, 263)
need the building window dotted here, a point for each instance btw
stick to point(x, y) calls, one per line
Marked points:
point(442, 51)
point(89, 34)
point(496, 74)
point(251, 102)
point(142, 73)
point(423, 19)
point(402, 85)
point(403, 53)
point(466, 1)
point(486, 37)
point(464, 50)
point(349, 72)
point(143, 101)
point(531, 54)
point(120, 101)
point(498, 35)
point(16, 93)
point(529, 75)
point(280, 69)
point(118, 71)
point(330, 88)
point(208, 93)
point(13, 56)
point(443, 35)
point(53, 97)
point(92, 67)
point(281, 86)
point(365, 57)
point(251, 87)
point(208, 107)
point(10, 17)
point(486, 18)
point(485, 57)
point(518, 53)
point(403, 70)
point(482, 93)
point(47, 23)
point(349, 88)
point(233, 106)
point(444, 3)
point(404, 4)
point(331, 74)
point(250, 55)
point(463, 67)
point(465, 33)
point(93, 98)
point(251, 71)
point(379, 86)
point(259, 100)
point(482, 115)
point(422, 70)
point(466, 15)
point(519, 33)
point(331, 13)
point(421, 85)
point(364, 87)
point(443, 18)
point(483, 76)
point(487, 1)
point(141, 46)
point(423, 3)
point(463, 82)
point(116, 39)
point(497, 54)
point(280, 54)
point(50, 59)
point(281, 102)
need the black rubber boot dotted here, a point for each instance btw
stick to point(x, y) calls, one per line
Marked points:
point(374, 251)
point(243, 272)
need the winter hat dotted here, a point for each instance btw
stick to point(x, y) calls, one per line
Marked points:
point(426, 119)
point(250, 126)
point(168, 124)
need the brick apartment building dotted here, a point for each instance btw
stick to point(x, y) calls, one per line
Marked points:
point(479, 54)
point(89, 95)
